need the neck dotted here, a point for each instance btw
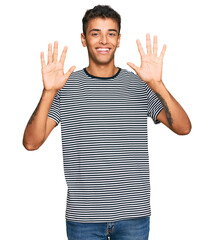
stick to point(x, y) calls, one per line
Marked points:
point(106, 70)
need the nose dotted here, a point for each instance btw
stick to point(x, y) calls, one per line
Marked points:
point(103, 39)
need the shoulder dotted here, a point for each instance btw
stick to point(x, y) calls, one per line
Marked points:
point(128, 73)
point(132, 77)
point(77, 74)
point(75, 77)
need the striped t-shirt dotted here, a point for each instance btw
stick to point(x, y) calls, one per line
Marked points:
point(104, 142)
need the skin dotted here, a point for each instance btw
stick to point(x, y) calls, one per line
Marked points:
point(150, 71)
point(102, 33)
point(39, 126)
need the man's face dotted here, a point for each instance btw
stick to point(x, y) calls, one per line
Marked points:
point(102, 40)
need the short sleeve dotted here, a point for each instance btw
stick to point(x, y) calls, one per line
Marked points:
point(154, 104)
point(54, 112)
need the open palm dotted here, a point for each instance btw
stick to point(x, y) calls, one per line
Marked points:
point(151, 65)
point(53, 73)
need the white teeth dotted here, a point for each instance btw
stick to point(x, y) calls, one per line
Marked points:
point(103, 49)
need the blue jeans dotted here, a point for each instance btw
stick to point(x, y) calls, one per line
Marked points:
point(129, 229)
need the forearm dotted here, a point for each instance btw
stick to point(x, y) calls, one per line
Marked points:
point(36, 128)
point(177, 119)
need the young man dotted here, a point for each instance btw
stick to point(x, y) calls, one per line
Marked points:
point(103, 113)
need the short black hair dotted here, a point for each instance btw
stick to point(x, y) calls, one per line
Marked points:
point(103, 11)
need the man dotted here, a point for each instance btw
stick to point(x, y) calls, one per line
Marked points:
point(103, 113)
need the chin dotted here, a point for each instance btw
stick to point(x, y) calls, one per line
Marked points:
point(103, 61)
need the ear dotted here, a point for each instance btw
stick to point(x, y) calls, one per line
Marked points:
point(83, 40)
point(118, 41)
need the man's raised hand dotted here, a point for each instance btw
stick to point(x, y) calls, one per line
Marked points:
point(53, 72)
point(151, 65)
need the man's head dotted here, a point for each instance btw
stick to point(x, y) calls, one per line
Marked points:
point(100, 11)
point(101, 34)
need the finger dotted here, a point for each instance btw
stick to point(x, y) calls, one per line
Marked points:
point(69, 72)
point(55, 51)
point(49, 53)
point(42, 59)
point(155, 46)
point(148, 44)
point(140, 48)
point(163, 51)
point(134, 67)
point(63, 55)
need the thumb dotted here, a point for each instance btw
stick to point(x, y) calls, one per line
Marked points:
point(134, 67)
point(69, 72)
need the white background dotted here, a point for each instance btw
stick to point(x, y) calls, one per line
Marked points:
point(32, 185)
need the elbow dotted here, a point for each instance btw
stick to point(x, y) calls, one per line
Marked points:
point(30, 147)
point(31, 143)
point(186, 130)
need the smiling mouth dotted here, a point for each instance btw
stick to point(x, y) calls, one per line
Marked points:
point(103, 50)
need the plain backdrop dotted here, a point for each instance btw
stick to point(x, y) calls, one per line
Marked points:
point(32, 185)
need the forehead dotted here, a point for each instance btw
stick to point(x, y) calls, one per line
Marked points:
point(103, 24)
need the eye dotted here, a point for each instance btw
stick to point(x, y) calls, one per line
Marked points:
point(94, 34)
point(112, 34)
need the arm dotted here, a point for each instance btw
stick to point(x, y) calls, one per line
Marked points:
point(150, 71)
point(39, 125)
point(173, 115)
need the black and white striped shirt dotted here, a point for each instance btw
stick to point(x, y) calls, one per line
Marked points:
point(104, 142)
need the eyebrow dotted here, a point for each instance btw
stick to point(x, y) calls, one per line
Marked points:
point(98, 30)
